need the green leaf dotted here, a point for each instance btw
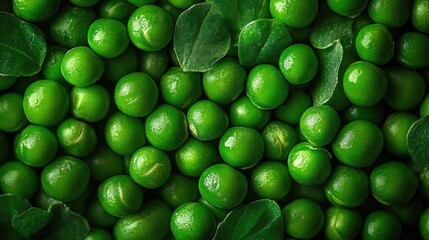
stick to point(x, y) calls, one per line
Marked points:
point(327, 80)
point(260, 219)
point(330, 27)
point(418, 142)
point(238, 13)
point(262, 40)
point(201, 38)
point(65, 224)
point(31, 221)
point(22, 47)
point(11, 206)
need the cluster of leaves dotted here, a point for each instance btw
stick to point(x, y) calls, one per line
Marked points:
point(19, 218)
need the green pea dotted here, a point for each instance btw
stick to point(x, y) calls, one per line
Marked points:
point(46, 102)
point(120, 66)
point(136, 94)
point(243, 113)
point(424, 223)
point(116, 9)
point(18, 179)
point(120, 195)
point(140, 3)
point(124, 134)
point(381, 225)
point(309, 164)
point(303, 218)
point(76, 137)
point(95, 94)
point(63, 174)
point(412, 50)
point(315, 193)
point(374, 114)
point(271, 179)
point(374, 43)
point(424, 106)
point(84, 3)
point(151, 222)
point(36, 11)
point(178, 190)
point(12, 112)
point(409, 213)
point(104, 163)
point(82, 67)
point(6, 82)
point(150, 28)
point(266, 87)
point(51, 68)
point(180, 89)
point(299, 64)
point(108, 37)
point(420, 16)
point(393, 14)
point(279, 138)
point(319, 124)
point(294, 13)
point(342, 223)
point(36, 145)
point(150, 167)
point(97, 216)
point(183, 4)
point(195, 156)
point(98, 234)
point(358, 143)
point(166, 128)
point(348, 8)
point(206, 120)
point(347, 187)
point(154, 63)
point(222, 186)
point(219, 214)
point(224, 82)
point(395, 129)
point(295, 105)
point(241, 147)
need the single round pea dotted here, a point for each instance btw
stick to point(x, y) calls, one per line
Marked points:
point(243, 113)
point(241, 147)
point(97, 216)
point(95, 94)
point(46, 102)
point(151, 222)
point(154, 63)
point(381, 224)
point(69, 28)
point(192, 221)
point(303, 218)
point(150, 28)
point(393, 14)
point(206, 120)
point(374, 43)
point(222, 186)
point(271, 179)
point(364, 83)
point(76, 137)
point(120, 195)
point(295, 105)
point(347, 187)
point(424, 224)
point(65, 178)
point(108, 37)
point(347, 8)
point(124, 134)
point(116, 9)
point(81, 67)
point(35, 10)
point(393, 183)
point(406, 88)
point(183, 4)
point(294, 13)
point(279, 138)
point(299, 64)
point(18, 179)
point(104, 163)
point(224, 82)
point(358, 143)
point(51, 67)
point(374, 114)
point(420, 15)
point(395, 129)
point(178, 190)
point(319, 124)
point(98, 234)
point(266, 87)
point(120, 66)
point(6, 82)
point(166, 128)
point(35, 145)
point(309, 164)
point(180, 89)
point(150, 167)
point(195, 156)
point(412, 50)
point(342, 223)
point(12, 112)
point(136, 94)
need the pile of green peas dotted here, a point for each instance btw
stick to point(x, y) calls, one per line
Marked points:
point(114, 128)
